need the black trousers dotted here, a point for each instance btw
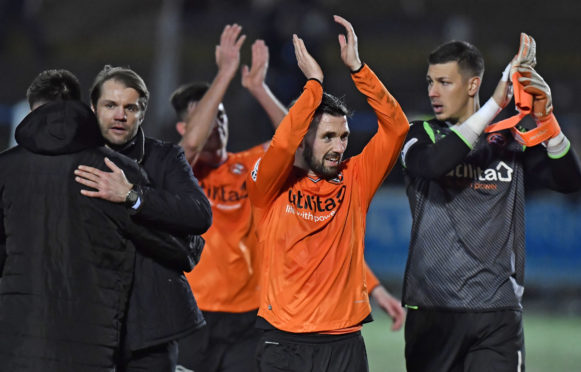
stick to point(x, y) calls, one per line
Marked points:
point(290, 352)
point(159, 358)
point(444, 341)
point(227, 343)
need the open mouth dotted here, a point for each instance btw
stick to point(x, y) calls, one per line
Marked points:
point(333, 160)
point(438, 108)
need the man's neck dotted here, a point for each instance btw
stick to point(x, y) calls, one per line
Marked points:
point(475, 104)
point(472, 106)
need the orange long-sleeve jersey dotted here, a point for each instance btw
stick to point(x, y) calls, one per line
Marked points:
point(311, 230)
point(227, 277)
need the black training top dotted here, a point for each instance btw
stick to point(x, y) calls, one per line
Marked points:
point(468, 240)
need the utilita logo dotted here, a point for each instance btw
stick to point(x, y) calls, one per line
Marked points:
point(502, 172)
point(223, 194)
point(313, 208)
point(315, 203)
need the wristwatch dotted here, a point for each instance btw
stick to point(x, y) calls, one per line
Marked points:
point(131, 198)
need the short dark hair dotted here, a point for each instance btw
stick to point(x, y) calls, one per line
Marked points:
point(469, 58)
point(124, 75)
point(329, 105)
point(53, 85)
point(181, 97)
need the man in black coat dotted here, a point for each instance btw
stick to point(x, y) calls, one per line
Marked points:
point(160, 308)
point(66, 261)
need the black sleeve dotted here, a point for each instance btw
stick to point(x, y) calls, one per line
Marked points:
point(2, 257)
point(2, 243)
point(179, 205)
point(421, 157)
point(178, 251)
point(196, 244)
point(170, 250)
point(562, 174)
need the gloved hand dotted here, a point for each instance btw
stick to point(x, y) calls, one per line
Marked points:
point(542, 107)
point(531, 94)
point(526, 55)
point(534, 84)
point(525, 58)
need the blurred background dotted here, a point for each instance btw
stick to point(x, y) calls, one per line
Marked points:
point(171, 42)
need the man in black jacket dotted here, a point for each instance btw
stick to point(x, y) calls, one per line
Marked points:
point(66, 261)
point(162, 308)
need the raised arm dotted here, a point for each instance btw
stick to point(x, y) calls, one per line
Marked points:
point(309, 67)
point(380, 154)
point(272, 170)
point(253, 79)
point(349, 45)
point(200, 120)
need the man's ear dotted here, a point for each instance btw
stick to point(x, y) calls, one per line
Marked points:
point(93, 108)
point(474, 85)
point(181, 127)
point(299, 161)
point(301, 149)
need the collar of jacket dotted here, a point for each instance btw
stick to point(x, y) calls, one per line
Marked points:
point(135, 148)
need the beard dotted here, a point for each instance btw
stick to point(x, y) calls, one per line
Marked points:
point(317, 166)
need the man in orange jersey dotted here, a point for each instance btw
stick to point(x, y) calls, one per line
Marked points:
point(312, 208)
point(225, 282)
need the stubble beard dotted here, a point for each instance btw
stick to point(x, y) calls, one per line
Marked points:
point(317, 165)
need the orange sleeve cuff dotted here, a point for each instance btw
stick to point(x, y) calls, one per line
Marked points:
point(370, 278)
